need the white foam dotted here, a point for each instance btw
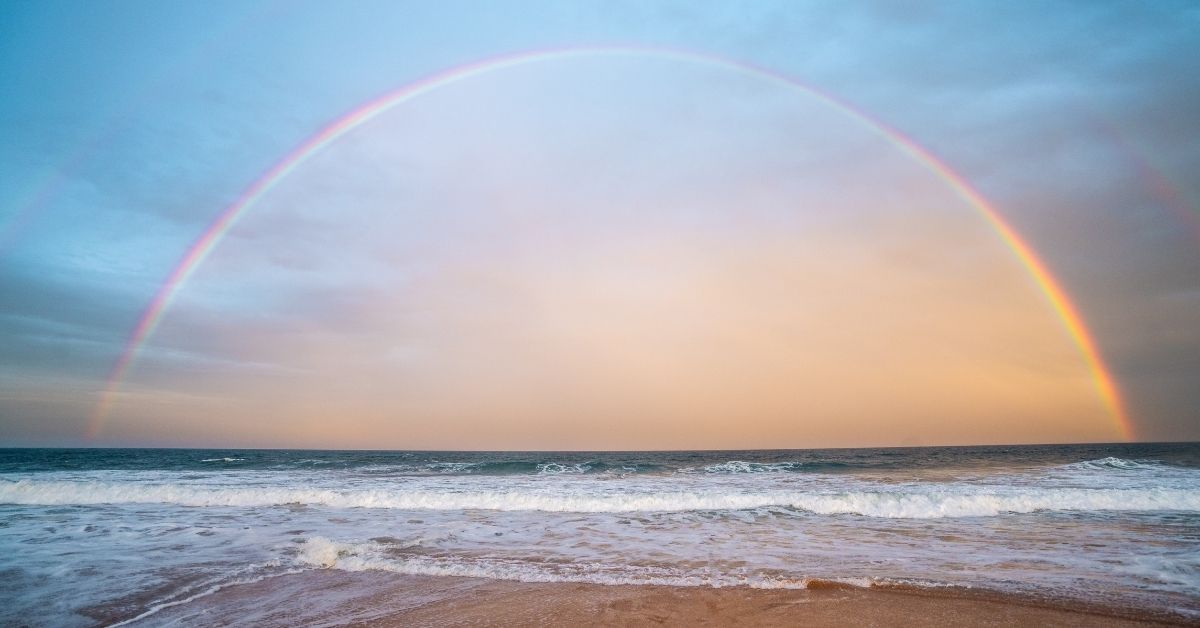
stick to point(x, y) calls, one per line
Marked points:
point(450, 467)
point(554, 468)
point(161, 606)
point(323, 553)
point(912, 502)
point(1111, 463)
point(1174, 571)
point(741, 466)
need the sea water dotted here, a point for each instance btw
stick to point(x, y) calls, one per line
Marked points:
point(92, 536)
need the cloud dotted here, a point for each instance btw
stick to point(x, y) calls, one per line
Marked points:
point(1050, 110)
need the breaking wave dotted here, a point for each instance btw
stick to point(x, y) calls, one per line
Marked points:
point(1114, 464)
point(512, 467)
point(935, 501)
point(739, 466)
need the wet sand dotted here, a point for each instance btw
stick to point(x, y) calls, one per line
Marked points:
point(382, 599)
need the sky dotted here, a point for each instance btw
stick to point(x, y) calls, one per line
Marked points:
point(598, 225)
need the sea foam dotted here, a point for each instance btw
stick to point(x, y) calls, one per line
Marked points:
point(323, 553)
point(912, 502)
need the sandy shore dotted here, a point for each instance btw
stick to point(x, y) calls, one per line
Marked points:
point(381, 599)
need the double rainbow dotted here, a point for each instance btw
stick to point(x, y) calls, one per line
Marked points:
point(202, 247)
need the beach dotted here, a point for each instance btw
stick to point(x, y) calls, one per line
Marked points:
point(1016, 535)
point(334, 597)
point(599, 313)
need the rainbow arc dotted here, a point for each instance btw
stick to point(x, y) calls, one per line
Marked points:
point(1056, 297)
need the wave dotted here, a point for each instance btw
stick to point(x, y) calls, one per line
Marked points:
point(1110, 466)
point(740, 466)
point(1126, 471)
point(1115, 464)
point(511, 467)
point(932, 503)
point(590, 467)
point(323, 553)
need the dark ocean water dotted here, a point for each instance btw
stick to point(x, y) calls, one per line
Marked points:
point(502, 463)
point(91, 536)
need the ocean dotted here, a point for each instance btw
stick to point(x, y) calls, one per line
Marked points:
point(106, 536)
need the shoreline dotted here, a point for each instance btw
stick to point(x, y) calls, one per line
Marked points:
point(374, 598)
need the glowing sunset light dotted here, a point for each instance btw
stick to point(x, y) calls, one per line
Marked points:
point(497, 68)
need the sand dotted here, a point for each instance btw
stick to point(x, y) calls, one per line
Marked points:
point(383, 599)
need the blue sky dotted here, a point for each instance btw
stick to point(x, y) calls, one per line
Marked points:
point(128, 126)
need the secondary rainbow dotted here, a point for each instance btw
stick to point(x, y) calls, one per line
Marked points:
point(200, 249)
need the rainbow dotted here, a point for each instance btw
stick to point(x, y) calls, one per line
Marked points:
point(1153, 180)
point(202, 247)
